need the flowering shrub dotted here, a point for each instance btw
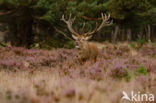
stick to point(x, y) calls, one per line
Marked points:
point(118, 70)
point(45, 76)
point(151, 51)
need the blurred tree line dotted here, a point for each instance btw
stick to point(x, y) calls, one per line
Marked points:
point(28, 22)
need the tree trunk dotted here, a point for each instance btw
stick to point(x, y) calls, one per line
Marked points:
point(21, 28)
point(114, 34)
point(140, 34)
point(148, 33)
point(123, 35)
point(129, 34)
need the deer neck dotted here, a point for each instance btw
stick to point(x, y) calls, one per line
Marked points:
point(83, 45)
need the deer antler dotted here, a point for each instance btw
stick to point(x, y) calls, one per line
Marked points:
point(69, 23)
point(64, 34)
point(105, 22)
point(82, 29)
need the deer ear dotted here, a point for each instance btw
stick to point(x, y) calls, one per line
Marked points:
point(74, 37)
point(88, 37)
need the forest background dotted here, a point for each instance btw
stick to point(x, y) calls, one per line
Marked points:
point(28, 23)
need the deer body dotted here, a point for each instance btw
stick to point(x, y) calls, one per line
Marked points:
point(86, 50)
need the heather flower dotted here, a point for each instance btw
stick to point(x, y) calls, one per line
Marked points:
point(14, 64)
point(118, 69)
point(150, 65)
point(57, 76)
point(94, 72)
point(148, 51)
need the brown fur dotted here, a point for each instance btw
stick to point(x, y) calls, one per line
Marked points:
point(88, 51)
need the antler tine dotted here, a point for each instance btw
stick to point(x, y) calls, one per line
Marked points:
point(82, 29)
point(108, 16)
point(70, 16)
point(63, 19)
point(105, 17)
point(90, 33)
point(72, 20)
point(83, 25)
point(105, 22)
point(61, 32)
point(110, 23)
point(69, 23)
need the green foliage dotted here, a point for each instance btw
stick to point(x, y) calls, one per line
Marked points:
point(153, 44)
point(128, 75)
point(2, 45)
point(151, 15)
point(141, 42)
point(128, 11)
point(141, 70)
point(43, 14)
point(69, 45)
point(132, 45)
point(1, 1)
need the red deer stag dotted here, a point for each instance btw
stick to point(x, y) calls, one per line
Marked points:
point(87, 50)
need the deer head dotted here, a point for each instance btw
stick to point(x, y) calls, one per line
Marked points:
point(80, 38)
